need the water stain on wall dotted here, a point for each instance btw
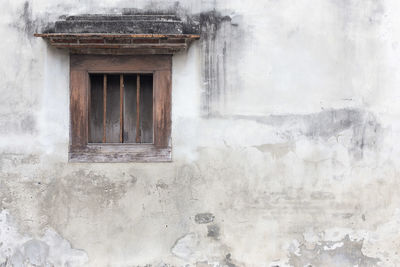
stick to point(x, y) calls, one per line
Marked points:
point(215, 34)
point(220, 43)
point(26, 23)
point(367, 132)
point(66, 195)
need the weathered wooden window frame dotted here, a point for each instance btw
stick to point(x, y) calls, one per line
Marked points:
point(80, 150)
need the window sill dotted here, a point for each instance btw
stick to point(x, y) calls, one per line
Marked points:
point(117, 153)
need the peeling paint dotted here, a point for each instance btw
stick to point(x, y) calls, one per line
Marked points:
point(213, 231)
point(285, 142)
point(51, 249)
point(343, 253)
point(185, 246)
point(202, 218)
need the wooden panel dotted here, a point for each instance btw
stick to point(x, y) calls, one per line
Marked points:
point(96, 109)
point(121, 46)
point(104, 63)
point(121, 153)
point(127, 51)
point(162, 108)
point(118, 44)
point(138, 130)
point(121, 108)
point(108, 35)
point(105, 109)
point(113, 108)
point(130, 108)
point(80, 150)
point(78, 108)
point(63, 41)
point(90, 41)
point(146, 108)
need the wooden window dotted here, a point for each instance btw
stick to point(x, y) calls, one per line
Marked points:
point(120, 108)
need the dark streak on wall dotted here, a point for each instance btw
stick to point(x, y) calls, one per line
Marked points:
point(28, 24)
point(220, 42)
point(214, 59)
point(366, 131)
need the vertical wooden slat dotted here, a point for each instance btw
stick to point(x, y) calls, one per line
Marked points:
point(138, 109)
point(129, 134)
point(95, 108)
point(89, 97)
point(162, 108)
point(78, 104)
point(146, 109)
point(121, 108)
point(104, 107)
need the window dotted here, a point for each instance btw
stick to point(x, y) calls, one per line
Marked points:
point(120, 83)
point(120, 108)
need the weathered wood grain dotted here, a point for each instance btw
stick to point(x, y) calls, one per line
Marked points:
point(113, 35)
point(95, 108)
point(78, 108)
point(121, 108)
point(130, 108)
point(146, 108)
point(104, 63)
point(81, 66)
point(113, 108)
point(121, 46)
point(121, 153)
point(127, 51)
point(105, 109)
point(138, 129)
point(162, 108)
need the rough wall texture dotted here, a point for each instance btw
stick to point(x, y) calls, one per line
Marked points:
point(286, 121)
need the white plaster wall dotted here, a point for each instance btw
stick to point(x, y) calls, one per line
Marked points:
point(293, 147)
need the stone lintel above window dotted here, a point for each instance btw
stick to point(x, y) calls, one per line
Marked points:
point(121, 34)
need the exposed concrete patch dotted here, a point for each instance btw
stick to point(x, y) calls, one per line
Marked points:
point(161, 185)
point(198, 250)
point(202, 218)
point(213, 231)
point(188, 178)
point(66, 194)
point(228, 260)
point(36, 252)
point(6, 197)
point(51, 249)
point(341, 254)
point(321, 195)
point(185, 247)
point(15, 159)
point(277, 150)
point(346, 247)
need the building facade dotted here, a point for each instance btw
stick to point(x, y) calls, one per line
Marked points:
point(284, 136)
